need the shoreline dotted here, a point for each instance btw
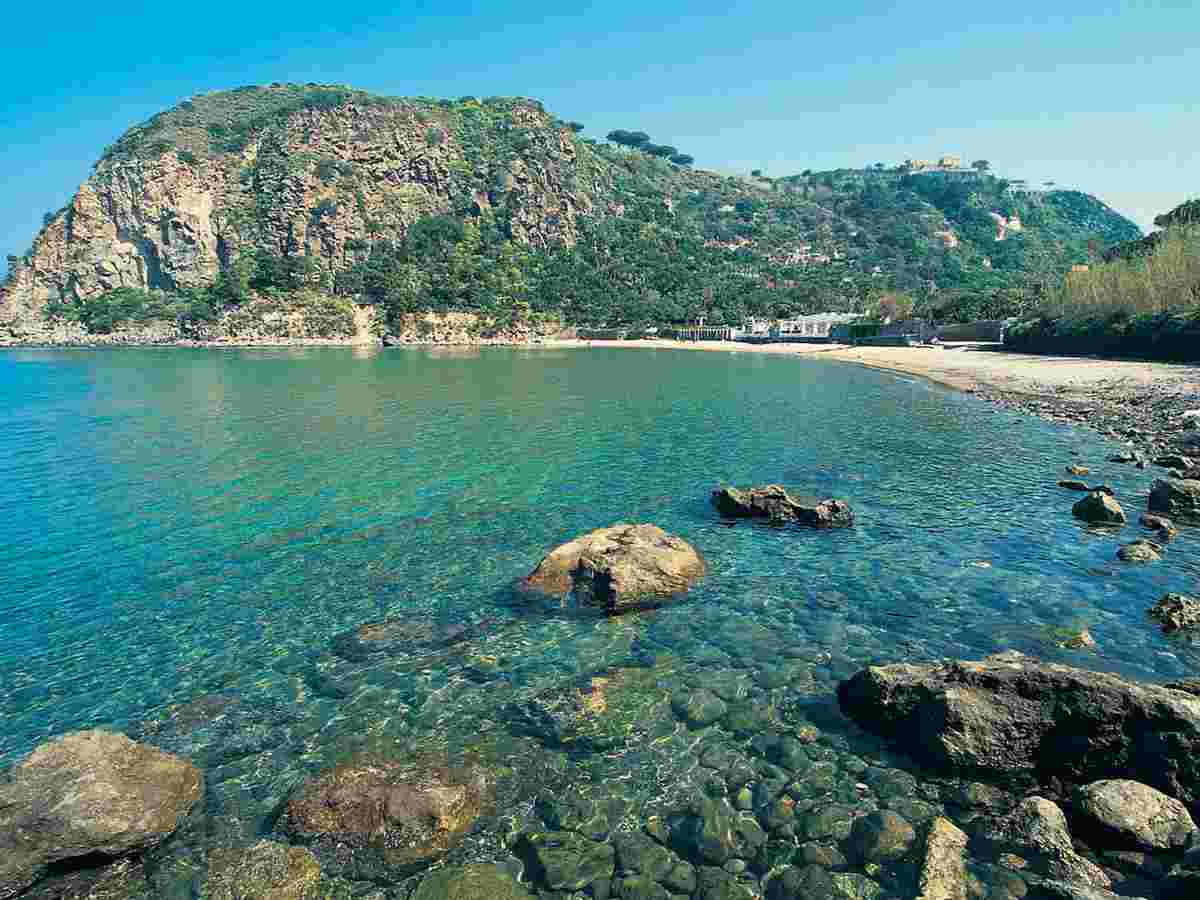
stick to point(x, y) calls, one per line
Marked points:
point(1138, 402)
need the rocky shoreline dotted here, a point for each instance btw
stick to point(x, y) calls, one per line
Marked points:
point(995, 779)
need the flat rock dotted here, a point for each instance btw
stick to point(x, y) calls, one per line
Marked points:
point(1175, 497)
point(1099, 508)
point(944, 869)
point(619, 568)
point(1134, 815)
point(413, 812)
point(1078, 470)
point(1140, 551)
point(1074, 485)
point(773, 502)
point(90, 792)
point(1011, 715)
point(1176, 612)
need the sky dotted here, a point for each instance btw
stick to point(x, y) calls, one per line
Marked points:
point(1092, 95)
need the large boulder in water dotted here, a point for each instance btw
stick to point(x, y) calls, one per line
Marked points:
point(619, 568)
point(1099, 508)
point(1130, 814)
point(773, 502)
point(89, 793)
point(1010, 715)
point(410, 812)
point(1176, 497)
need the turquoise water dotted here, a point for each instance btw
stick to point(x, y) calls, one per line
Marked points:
point(181, 524)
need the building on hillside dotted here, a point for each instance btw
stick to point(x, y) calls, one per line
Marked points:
point(950, 161)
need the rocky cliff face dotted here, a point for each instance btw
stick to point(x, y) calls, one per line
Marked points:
point(244, 213)
point(317, 172)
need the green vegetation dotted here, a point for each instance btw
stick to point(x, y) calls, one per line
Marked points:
point(1143, 301)
point(512, 213)
point(105, 313)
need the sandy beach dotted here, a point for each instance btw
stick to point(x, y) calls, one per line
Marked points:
point(967, 367)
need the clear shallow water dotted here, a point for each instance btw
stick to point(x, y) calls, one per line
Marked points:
point(188, 523)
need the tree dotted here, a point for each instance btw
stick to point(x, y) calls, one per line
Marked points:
point(661, 150)
point(807, 173)
point(575, 126)
point(634, 139)
point(981, 165)
point(894, 307)
point(683, 159)
point(756, 173)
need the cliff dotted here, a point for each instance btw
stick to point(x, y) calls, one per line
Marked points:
point(254, 201)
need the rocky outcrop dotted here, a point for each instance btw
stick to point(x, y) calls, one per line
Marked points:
point(1099, 508)
point(411, 811)
point(773, 502)
point(89, 793)
point(1176, 497)
point(1176, 612)
point(619, 568)
point(1130, 814)
point(1010, 715)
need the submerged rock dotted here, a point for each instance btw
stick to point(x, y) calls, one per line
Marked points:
point(619, 568)
point(1176, 497)
point(1132, 814)
point(1164, 526)
point(396, 635)
point(90, 792)
point(476, 882)
point(1174, 461)
point(944, 870)
point(1140, 551)
point(601, 713)
point(881, 837)
point(410, 812)
point(1099, 508)
point(1176, 612)
point(564, 860)
point(713, 832)
point(1013, 715)
point(268, 871)
point(773, 502)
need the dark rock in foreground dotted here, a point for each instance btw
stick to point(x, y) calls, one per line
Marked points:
point(1176, 612)
point(1010, 715)
point(620, 568)
point(1099, 508)
point(1176, 497)
point(773, 502)
point(91, 792)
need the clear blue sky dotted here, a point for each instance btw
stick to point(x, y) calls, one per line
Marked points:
point(1098, 96)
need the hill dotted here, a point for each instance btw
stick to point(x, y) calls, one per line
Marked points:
point(308, 204)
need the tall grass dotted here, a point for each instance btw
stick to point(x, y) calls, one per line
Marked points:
point(1146, 306)
point(1167, 280)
